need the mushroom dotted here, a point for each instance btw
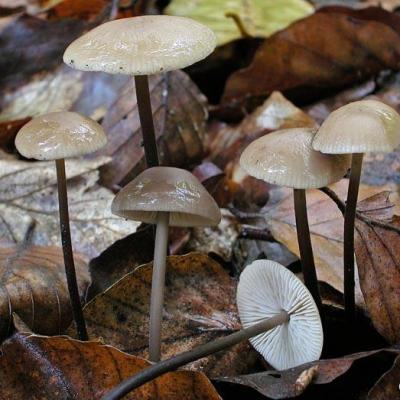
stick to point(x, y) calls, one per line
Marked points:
point(164, 196)
point(286, 158)
point(57, 136)
point(279, 317)
point(356, 128)
point(141, 46)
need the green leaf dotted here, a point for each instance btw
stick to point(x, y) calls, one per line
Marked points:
point(260, 18)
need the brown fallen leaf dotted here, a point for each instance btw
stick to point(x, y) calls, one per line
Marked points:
point(33, 285)
point(37, 367)
point(28, 198)
point(388, 386)
point(377, 251)
point(179, 112)
point(282, 385)
point(8, 131)
point(333, 48)
point(199, 307)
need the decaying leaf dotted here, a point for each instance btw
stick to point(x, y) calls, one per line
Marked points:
point(199, 307)
point(388, 386)
point(37, 367)
point(282, 384)
point(179, 112)
point(260, 18)
point(377, 251)
point(33, 285)
point(332, 48)
point(28, 198)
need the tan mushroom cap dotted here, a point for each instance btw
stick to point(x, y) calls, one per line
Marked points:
point(265, 289)
point(143, 45)
point(59, 135)
point(286, 158)
point(359, 127)
point(168, 189)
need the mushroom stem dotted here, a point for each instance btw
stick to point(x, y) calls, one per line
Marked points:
point(146, 120)
point(68, 253)
point(304, 239)
point(348, 235)
point(204, 350)
point(157, 286)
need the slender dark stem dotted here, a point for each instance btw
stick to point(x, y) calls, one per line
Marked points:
point(146, 120)
point(157, 286)
point(305, 247)
point(256, 234)
point(348, 236)
point(205, 350)
point(67, 251)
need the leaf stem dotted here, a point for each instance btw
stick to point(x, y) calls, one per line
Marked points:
point(239, 23)
point(204, 350)
point(68, 253)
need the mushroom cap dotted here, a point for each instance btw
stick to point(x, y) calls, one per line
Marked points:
point(143, 45)
point(167, 189)
point(359, 127)
point(59, 135)
point(286, 158)
point(265, 289)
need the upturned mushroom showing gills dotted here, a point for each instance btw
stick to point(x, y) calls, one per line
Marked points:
point(278, 315)
point(142, 46)
point(164, 196)
point(57, 136)
point(356, 128)
point(286, 158)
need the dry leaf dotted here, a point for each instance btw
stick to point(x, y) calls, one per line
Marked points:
point(388, 386)
point(199, 307)
point(377, 251)
point(336, 46)
point(33, 285)
point(28, 200)
point(37, 367)
point(179, 112)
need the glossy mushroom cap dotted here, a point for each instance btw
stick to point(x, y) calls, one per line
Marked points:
point(59, 135)
point(141, 45)
point(286, 158)
point(266, 288)
point(359, 127)
point(167, 189)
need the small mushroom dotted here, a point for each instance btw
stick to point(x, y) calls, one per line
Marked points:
point(141, 46)
point(286, 158)
point(164, 196)
point(279, 316)
point(356, 128)
point(57, 136)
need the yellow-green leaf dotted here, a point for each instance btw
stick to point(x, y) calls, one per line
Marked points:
point(260, 18)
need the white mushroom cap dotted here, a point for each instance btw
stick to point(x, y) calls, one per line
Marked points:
point(286, 158)
point(359, 127)
point(143, 45)
point(265, 289)
point(167, 189)
point(59, 135)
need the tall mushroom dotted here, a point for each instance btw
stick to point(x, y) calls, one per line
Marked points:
point(164, 196)
point(279, 317)
point(57, 136)
point(356, 128)
point(286, 158)
point(142, 46)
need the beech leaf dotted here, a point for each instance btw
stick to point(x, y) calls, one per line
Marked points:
point(36, 367)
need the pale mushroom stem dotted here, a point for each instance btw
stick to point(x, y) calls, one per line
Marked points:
point(146, 120)
point(157, 286)
point(305, 246)
point(348, 235)
point(69, 264)
point(204, 350)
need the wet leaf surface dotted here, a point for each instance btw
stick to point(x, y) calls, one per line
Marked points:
point(199, 307)
point(28, 200)
point(33, 285)
point(35, 366)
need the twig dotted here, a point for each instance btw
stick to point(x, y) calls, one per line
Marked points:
point(244, 215)
point(256, 234)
